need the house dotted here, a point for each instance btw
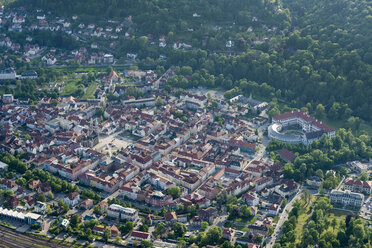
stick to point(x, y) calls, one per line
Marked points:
point(274, 210)
point(40, 207)
point(72, 199)
point(29, 201)
point(44, 188)
point(262, 183)
point(314, 181)
point(357, 186)
point(139, 236)
point(12, 201)
point(102, 206)
point(286, 155)
point(228, 233)
point(132, 55)
point(170, 217)
point(49, 59)
point(208, 214)
point(254, 229)
point(94, 45)
point(7, 184)
point(87, 204)
point(64, 223)
point(114, 231)
point(251, 199)
point(99, 229)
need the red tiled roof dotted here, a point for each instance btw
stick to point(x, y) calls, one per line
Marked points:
point(287, 155)
point(138, 234)
point(305, 117)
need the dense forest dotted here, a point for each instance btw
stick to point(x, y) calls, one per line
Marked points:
point(323, 55)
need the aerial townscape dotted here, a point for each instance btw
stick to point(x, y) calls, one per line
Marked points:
point(189, 123)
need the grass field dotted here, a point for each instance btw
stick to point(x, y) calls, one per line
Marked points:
point(89, 93)
point(343, 124)
point(70, 88)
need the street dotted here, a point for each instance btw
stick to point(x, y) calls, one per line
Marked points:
point(283, 217)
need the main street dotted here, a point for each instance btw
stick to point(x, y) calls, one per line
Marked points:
point(283, 217)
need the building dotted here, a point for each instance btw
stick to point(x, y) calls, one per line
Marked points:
point(314, 181)
point(119, 212)
point(357, 186)
point(72, 199)
point(311, 128)
point(347, 198)
point(256, 229)
point(8, 74)
point(30, 75)
point(274, 210)
point(251, 199)
point(139, 236)
point(360, 167)
point(286, 155)
point(228, 233)
point(208, 214)
point(108, 58)
point(8, 98)
point(29, 218)
point(40, 207)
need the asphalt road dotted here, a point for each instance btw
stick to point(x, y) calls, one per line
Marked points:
point(282, 219)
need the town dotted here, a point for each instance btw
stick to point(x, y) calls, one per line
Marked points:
point(101, 150)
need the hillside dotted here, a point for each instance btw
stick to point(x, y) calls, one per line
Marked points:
point(322, 54)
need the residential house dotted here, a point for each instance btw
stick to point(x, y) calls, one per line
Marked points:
point(72, 199)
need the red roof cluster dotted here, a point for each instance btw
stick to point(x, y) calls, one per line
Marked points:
point(305, 117)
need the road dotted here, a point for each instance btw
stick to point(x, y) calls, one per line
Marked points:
point(283, 217)
point(10, 238)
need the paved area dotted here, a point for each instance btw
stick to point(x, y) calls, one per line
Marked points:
point(112, 143)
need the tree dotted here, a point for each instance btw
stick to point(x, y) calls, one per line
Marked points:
point(334, 224)
point(319, 173)
point(127, 228)
point(96, 210)
point(41, 197)
point(204, 225)
point(159, 228)
point(146, 244)
point(364, 176)
point(354, 123)
point(179, 229)
point(159, 102)
point(227, 244)
point(75, 220)
point(106, 235)
point(143, 228)
point(175, 192)
point(320, 112)
point(214, 235)
point(245, 211)
point(50, 195)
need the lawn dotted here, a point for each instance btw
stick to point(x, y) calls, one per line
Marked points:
point(89, 92)
point(70, 88)
point(343, 124)
point(303, 218)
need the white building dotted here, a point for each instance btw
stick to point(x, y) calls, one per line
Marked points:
point(8, 74)
point(312, 128)
point(119, 212)
point(347, 198)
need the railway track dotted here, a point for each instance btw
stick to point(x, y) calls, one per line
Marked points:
point(10, 238)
